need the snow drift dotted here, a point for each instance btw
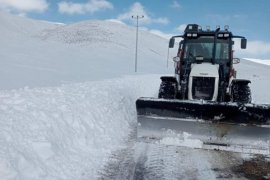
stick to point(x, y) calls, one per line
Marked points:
point(67, 132)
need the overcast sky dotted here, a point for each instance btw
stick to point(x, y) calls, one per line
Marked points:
point(250, 18)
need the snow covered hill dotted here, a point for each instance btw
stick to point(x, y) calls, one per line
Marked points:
point(64, 103)
point(36, 53)
point(266, 62)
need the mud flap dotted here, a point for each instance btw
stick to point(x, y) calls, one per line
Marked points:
point(208, 125)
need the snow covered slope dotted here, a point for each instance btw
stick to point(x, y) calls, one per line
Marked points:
point(259, 75)
point(69, 131)
point(266, 62)
point(35, 53)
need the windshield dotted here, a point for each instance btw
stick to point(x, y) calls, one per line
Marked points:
point(203, 46)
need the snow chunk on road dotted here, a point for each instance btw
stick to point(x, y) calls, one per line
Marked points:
point(182, 140)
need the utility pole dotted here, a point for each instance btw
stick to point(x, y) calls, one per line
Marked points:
point(137, 17)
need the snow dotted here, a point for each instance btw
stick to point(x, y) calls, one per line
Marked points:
point(67, 101)
point(65, 132)
point(265, 61)
point(68, 92)
point(89, 50)
point(172, 162)
point(182, 140)
point(259, 75)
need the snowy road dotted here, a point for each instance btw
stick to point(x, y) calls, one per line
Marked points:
point(156, 161)
point(147, 161)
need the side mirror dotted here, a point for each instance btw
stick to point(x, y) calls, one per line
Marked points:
point(171, 43)
point(236, 60)
point(243, 43)
point(176, 59)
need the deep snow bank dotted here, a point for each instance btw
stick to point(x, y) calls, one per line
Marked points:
point(67, 132)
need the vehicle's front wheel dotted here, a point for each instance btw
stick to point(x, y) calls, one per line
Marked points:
point(241, 93)
point(167, 90)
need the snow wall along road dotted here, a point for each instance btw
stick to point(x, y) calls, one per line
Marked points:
point(67, 132)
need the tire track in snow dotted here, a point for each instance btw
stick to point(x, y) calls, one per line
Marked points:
point(142, 161)
point(121, 163)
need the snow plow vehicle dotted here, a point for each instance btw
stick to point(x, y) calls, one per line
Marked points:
point(204, 101)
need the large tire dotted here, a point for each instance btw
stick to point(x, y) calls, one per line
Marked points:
point(167, 90)
point(241, 93)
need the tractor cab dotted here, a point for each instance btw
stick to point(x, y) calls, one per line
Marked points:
point(213, 46)
point(204, 62)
